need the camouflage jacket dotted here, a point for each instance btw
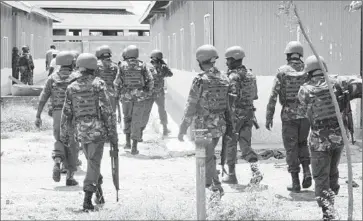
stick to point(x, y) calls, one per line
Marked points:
point(63, 75)
point(159, 73)
point(126, 94)
point(88, 129)
point(287, 113)
point(244, 109)
point(113, 69)
point(197, 107)
point(26, 60)
point(329, 137)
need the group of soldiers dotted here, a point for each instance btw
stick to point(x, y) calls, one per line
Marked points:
point(222, 105)
point(85, 91)
point(23, 64)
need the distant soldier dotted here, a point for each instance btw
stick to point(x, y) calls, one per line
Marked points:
point(325, 140)
point(295, 125)
point(133, 85)
point(53, 67)
point(14, 63)
point(159, 70)
point(207, 106)
point(244, 83)
point(87, 104)
point(49, 57)
point(26, 66)
point(55, 88)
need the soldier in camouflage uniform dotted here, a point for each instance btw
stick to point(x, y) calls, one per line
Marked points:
point(55, 88)
point(26, 66)
point(87, 103)
point(159, 70)
point(295, 125)
point(207, 105)
point(244, 83)
point(14, 63)
point(325, 140)
point(133, 85)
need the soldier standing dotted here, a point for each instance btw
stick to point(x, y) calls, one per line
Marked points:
point(26, 66)
point(133, 85)
point(55, 88)
point(325, 140)
point(244, 83)
point(208, 106)
point(88, 104)
point(53, 67)
point(295, 125)
point(14, 64)
point(49, 57)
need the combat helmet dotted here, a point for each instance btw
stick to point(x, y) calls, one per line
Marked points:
point(87, 60)
point(206, 53)
point(64, 58)
point(235, 52)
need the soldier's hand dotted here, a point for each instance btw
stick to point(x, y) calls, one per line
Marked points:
point(38, 122)
point(269, 124)
point(181, 137)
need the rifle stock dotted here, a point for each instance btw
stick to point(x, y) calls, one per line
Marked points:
point(114, 167)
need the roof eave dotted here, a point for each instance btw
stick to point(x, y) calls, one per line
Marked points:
point(155, 7)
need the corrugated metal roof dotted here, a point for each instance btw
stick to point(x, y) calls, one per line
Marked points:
point(84, 4)
point(99, 21)
point(153, 8)
point(25, 6)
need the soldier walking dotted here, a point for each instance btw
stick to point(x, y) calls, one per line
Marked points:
point(208, 106)
point(49, 57)
point(295, 125)
point(325, 140)
point(133, 85)
point(55, 88)
point(26, 66)
point(244, 83)
point(87, 103)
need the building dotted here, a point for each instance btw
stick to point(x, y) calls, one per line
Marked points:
point(178, 28)
point(24, 24)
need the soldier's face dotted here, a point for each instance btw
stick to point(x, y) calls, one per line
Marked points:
point(106, 62)
point(229, 62)
point(155, 63)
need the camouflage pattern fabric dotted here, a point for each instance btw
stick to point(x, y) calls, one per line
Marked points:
point(89, 129)
point(111, 92)
point(26, 67)
point(14, 65)
point(93, 153)
point(159, 73)
point(287, 113)
point(132, 95)
point(134, 117)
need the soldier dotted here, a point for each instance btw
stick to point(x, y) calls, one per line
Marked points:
point(87, 103)
point(295, 125)
point(133, 85)
point(26, 66)
point(325, 140)
point(49, 57)
point(244, 83)
point(53, 67)
point(208, 106)
point(159, 70)
point(55, 88)
point(14, 64)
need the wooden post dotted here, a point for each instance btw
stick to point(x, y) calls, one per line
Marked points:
point(200, 155)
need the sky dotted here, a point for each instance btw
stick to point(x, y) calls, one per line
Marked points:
point(139, 6)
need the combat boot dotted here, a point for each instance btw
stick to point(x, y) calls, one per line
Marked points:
point(307, 176)
point(295, 186)
point(87, 203)
point(128, 141)
point(256, 174)
point(166, 131)
point(134, 150)
point(142, 133)
point(57, 169)
point(70, 181)
point(99, 195)
point(230, 178)
point(63, 169)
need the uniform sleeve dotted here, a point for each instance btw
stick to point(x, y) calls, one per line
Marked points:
point(66, 119)
point(191, 106)
point(149, 80)
point(255, 88)
point(47, 91)
point(166, 71)
point(303, 97)
point(31, 63)
point(107, 114)
point(273, 99)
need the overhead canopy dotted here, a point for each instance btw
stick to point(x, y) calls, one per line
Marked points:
point(84, 4)
point(153, 8)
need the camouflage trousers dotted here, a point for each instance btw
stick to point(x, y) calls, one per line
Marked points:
point(15, 73)
point(134, 117)
point(160, 102)
point(93, 153)
point(27, 77)
point(294, 135)
point(113, 103)
point(68, 155)
point(325, 171)
point(243, 138)
point(211, 174)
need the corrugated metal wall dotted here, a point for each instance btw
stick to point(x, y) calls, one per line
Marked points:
point(6, 36)
point(254, 26)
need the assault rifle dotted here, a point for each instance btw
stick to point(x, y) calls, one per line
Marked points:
point(347, 115)
point(254, 120)
point(114, 167)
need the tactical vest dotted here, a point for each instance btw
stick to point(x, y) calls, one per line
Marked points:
point(217, 94)
point(248, 90)
point(322, 109)
point(290, 85)
point(133, 78)
point(108, 74)
point(85, 103)
point(59, 87)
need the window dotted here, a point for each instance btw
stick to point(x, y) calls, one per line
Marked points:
point(192, 46)
point(169, 51)
point(5, 63)
point(182, 48)
point(207, 28)
point(175, 62)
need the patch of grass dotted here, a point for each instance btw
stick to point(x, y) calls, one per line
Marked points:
point(21, 118)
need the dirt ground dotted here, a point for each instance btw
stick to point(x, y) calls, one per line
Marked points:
point(153, 186)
